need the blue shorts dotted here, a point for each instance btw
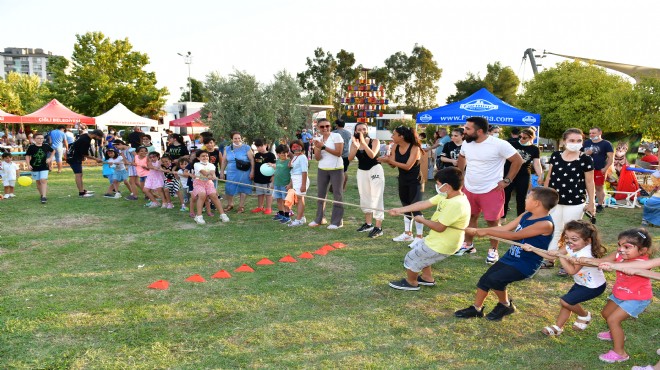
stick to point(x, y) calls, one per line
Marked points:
point(40, 175)
point(580, 293)
point(279, 191)
point(119, 176)
point(498, 276)
point(143, 178)
point(631, 306)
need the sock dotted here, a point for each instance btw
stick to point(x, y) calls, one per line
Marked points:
point(281, 213)
point(419, 227)
point(508, 303)
point(406, 224)
point(478, 308)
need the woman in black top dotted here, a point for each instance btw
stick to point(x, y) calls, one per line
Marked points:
point(531, 155)
point(451, 150)
point(370, 179)
point(405, 156)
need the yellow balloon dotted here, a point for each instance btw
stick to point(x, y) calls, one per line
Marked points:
point(24, 181)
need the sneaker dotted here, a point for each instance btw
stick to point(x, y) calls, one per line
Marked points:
point(335, 227)
point(85, 195)
point(108, 195)
point(402, 284)
point(224, 217)
point(365, 227)
point(148, 204)
point(492, 256)
point(469, 312)
point(200, 220)
point(277, 217)
point(257, 210)
point(164, 205)
point(170, 206)
point(88, 191)
point(7, 196)
point(12, 195)
point(295, 223)
point(154, 205)
point(421, 281)
point(612, 357)
point(562, 272)
point(500, 311)
point(131, 197)
point(183, 208)
point(403, 238)
point(285, 220)
point(465, 248)
point(415, 242)
point(43, 200)
point(117, 195)
point(376, 232)
point(599, 209)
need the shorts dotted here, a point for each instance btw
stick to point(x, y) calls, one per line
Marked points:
point(119, 176)
point(259, 191)
point(296, 182)
point(10, 183)
point(76, 166)
point(40, 175)
point(172, 186)
point(498, 276)
point(202, 187)
point(580, 293)
point(631, 306)
point(59, 153)
point(346, 163)
point(279, 191)
point(421, 257)
point(491, 203)
point(143, 178)
point(599, 178)
point(132, 171)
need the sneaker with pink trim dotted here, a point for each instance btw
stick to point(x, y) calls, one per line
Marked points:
point(612, 357)
point(604, 335)
point(170, 206)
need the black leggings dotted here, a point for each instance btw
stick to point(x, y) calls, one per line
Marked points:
point(521, 185)
point(409, 194)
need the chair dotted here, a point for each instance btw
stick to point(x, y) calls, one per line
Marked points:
point(630, 200)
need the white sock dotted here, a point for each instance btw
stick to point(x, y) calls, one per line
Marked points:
point(419, 227)
point(406, 224)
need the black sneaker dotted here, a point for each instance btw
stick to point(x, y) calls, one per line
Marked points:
point(469, 312)
point(108, 195)
point(500, 311)
point(599, 208)
point(402, 285)
point(421, 281)
point(85, 194)
point(43, 200)
point(365, 227)
point(376, 232)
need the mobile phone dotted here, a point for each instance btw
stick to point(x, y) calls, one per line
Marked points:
point(592, 218)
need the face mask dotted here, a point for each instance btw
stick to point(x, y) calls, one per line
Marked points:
point(438, 188)
point(495, 135)
point(573, 147)
point(597, 137)
point(525, 144)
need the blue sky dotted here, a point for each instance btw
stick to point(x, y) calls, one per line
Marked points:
point(263, 37)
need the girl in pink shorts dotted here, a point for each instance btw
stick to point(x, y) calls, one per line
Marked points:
point(153, 185)
point(204, 173)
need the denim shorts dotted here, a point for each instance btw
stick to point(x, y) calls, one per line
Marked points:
point(119, 176)
point(631, 306)
point(40, 175)
point(279, 191)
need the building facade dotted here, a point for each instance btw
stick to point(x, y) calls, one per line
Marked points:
point(24, 60)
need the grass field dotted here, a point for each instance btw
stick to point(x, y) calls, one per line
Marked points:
point(74, 277)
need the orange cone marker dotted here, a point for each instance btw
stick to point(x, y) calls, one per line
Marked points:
point(328, 247)
point(338, 245)
point(321, 252)
point(160, 285)
point(197, 278)
point(244, 268)
point(265, 261)
point(288, 258)
point(306, 255)
point(222, 274)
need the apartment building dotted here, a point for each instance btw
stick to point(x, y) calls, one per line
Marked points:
point(24, 60)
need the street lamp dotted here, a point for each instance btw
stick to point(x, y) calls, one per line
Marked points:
point(187, 58)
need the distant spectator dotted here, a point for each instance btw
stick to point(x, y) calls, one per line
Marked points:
point(59, 143)
point(135, 137)
point(78, 152)
point(649, 157)
point(602, 152)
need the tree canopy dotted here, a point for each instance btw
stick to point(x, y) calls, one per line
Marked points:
point(22, 94)
point(199, 92)
point(501, 81)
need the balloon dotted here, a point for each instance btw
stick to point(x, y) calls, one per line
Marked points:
point(266, 170)
point(24, 181)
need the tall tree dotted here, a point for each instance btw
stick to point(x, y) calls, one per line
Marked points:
point(319, 79)
point(639, 109)
point(199, 93)
point(422, 89)
point(22, 94)
point(398, 73)
point(104, 73)
point(573, 94)
point(502, 82)
point(464, 88)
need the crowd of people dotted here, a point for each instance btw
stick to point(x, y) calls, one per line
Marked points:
point(476, 173)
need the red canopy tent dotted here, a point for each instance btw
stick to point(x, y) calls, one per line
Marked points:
point(56, 113)
point(9, 118)
point(193, 120)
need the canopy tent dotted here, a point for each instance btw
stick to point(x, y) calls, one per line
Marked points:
point(119, 115)
point(482, 104)
point(9, 118)
point(193, 120)
point(56, 113)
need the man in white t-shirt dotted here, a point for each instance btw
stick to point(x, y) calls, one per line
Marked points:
point(485, 156)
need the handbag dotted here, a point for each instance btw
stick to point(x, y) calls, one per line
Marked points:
point(240, 164)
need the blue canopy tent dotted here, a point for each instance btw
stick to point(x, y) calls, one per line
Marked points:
point(482, 104)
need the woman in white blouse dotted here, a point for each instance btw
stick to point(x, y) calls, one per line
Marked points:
point(327, 150)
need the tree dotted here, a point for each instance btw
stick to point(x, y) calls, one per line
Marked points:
point(199, 93)
point(105, 73)
point(398, 74)
point(421, 88)
point(573, 94)
point(501, 81)
point(285, 98)
point(319, 78)
point(466, 87)
point(640, 109)
point(22, 94)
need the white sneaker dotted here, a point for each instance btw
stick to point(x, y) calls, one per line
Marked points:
point(465, 248)
point(415, 242)
point(311, 224)
point(403, 238)
point(12, 195)
point(492, 256)
point(117, 195)
point(224, 217)
point(7, 196)
point(200, 220)
point(295, 223)
point(335, 227)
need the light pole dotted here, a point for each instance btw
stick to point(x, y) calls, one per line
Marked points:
point(187, 58)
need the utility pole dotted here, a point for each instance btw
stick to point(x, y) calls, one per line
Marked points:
point(187, 58)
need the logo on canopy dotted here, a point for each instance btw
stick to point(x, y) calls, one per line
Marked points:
point(425, 117)
point(528, 120)
point(479, 105)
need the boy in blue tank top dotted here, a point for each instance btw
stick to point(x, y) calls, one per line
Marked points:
point(533, 227)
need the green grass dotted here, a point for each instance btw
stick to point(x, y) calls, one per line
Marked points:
point(73, 294)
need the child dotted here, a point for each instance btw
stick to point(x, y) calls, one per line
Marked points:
point(264, 183)
point(183, 180)
point(281, 179)
point(171, 185)
point(107, 171)
point(299, 180)
point(146, 142)
point(128, 155)
point(534, 227)
point(203, 187)
point(140, 164)
point(116, 163)
point(631, 294)
point(579, 239)
point(190, 173)
point(38, 156)
point(175, 148)
point(215, 158)
point(153, 185)
point(452, 209)
point(10, 173)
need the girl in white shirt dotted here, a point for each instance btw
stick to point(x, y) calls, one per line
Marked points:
point(204, 172)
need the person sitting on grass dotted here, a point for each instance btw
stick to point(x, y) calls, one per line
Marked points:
point(534, 227)
point(452, 214)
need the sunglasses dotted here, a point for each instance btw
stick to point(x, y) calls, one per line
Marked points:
point(324, 126)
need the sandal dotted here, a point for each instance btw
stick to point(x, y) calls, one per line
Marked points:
point(545, 264)
point(552, 331)
point(240, 210)
point(229, 208)
point(582, 322)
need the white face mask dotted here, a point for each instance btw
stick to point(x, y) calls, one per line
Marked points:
point(525, 144)
point(573, 147)
point(495, 135)
point(438, 188)
point(597, 137)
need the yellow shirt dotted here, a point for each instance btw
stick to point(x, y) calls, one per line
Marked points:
point(450, 212)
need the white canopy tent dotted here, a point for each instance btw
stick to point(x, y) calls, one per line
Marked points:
point(119, 115)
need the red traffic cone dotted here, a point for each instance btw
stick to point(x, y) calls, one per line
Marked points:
point(244, 268)
point(197, 278)
point(328, 247)
point(338, 245)
point(288, 258)
point(306, 255)
point(222, 274)
point(265, 261)
point(160, 284)
point(321, 252)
